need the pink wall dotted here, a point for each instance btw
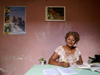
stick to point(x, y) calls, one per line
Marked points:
point(18, 53)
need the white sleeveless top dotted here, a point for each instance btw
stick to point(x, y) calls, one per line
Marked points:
point(72, 58)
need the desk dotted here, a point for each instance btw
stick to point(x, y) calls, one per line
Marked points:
point(38, 70)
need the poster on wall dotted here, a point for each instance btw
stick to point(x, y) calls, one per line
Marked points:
point(55, 13)
point(14, 20)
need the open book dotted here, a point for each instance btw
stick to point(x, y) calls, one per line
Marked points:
point(58, 71)
point(93, 66)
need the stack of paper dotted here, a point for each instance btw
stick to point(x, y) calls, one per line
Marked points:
point(93, 67)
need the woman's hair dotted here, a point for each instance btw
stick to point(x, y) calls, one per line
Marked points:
point(75, 34)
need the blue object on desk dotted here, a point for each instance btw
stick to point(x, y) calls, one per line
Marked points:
point(38, 70)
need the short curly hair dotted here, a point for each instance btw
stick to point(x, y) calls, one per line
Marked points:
point(75, 34)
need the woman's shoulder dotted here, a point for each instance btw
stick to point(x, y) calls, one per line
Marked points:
point(77, 50)
point(59, 48)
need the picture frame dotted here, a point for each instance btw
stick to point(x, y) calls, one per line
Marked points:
point(14, 20)
point(55, 13)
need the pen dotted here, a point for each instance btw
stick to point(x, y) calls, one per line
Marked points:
point(64, 61)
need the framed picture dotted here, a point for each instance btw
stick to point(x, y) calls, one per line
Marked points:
point(55, 13)
point(14, 20)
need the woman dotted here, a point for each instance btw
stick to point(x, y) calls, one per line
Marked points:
point(69, 53)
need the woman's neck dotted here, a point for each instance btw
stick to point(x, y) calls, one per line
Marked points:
point(69, 48)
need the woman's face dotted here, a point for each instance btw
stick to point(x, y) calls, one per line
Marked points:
point(70, 41)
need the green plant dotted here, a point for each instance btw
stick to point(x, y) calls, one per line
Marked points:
point(42, 59)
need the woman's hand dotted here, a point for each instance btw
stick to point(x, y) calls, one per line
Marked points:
point(63, 64)
point(53, 61)
point(79, 63)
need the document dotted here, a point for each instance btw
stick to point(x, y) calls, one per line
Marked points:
point(58, 71)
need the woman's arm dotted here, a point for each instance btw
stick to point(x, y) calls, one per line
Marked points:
point(80, 61)
point(53, 61)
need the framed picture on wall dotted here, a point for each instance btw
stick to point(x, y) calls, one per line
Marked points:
point(55, 13)
point(14, 20)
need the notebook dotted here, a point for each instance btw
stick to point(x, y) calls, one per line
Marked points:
point(58, 71)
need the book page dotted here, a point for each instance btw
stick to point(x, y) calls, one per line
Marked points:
point(66, 71)
point(95, 68)
point(86, 66)
point(52, 71)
